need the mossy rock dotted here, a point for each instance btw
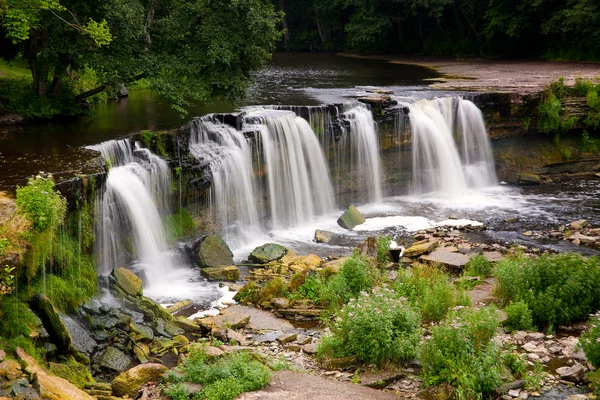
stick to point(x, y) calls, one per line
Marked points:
point(230, 273)
point(74, 372)
point(351, 218)
point(142, 332)
point(114, 359)
point(128, 383)
point(129, 282)
point(59, 335)
point(214, 252)
point(267, 253)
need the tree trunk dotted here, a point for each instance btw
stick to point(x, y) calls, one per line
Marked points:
point(471, 25)
point(43, 71)
point(101, 88)
point(286, 33)
point(149, 20)
point(321, 32)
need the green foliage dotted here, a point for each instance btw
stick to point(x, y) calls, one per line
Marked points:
point(42, 205)
point(7, 280)
point(518, 316)
point(180, 224)
point(479, 266)
point(558, 289)
point(376, 327)
point(383, 250)
point(313, 288)
point(460, 353)
point(431, 290)
point(356, 275)
point(223, 378)
point(550, 114)
point(516, 364)
point(590, 340)
point(17, 319)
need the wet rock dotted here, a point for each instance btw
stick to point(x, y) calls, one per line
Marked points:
point(127, 281)
point(142, 352)
point(81, 338)
point(76, 373)
point(143, 332)
point(10, 370)
point(48, 386)
point(446, 258)
point(167, 328)
point(228, 273)
point(526, 179)
point(187, 324)
point(287, 337)
point(323, 236)
point(213, 252)
point(368, 247)
point(438, 392)
point(129, 383)
point(267, 253)
point(178, 306)
point(351, 218)
point(21, 389)
point(575, 373)
point(422, 247)
point(114, 359)
point(59, 335)
point(578, 225)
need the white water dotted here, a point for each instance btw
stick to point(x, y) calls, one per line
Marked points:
point(298, 180)
point(364, 155)
point(438, 164)
point(234, 196)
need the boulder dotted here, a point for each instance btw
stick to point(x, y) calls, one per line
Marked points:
point(578, 225)
point(438, 392)
point(50, 387)
point(368, 247)
point(312, 261)
point(143, 332)
point(127, 281)
point(81, 338)
point(10, 370)
point(59, 335)
point(267, 253)
point(21, 389)
point(128, 383)
point(114, 359)
point(527, 179)
point(323, 236)
point(230, 273)
point(446, 258)
point(575, 373)
point(76, 373)
point(351, 218)
point(287, 337)
point(213, 252)
point(422, 247)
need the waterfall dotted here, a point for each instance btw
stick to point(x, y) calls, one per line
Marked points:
point(234, 197)
point(136, 195)
point(299, 186)
point(439, 163)
point(364, 154)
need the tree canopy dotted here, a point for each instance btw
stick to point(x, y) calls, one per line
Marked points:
point(568, 29)
point(196, 50)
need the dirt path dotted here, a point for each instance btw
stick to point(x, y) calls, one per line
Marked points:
point(518, 76)
point(288, 385)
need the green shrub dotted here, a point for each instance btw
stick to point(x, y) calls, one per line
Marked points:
point(558, 289)
point(479, 266)
point(41, 204)
point(549, 114)
point(356, 275)
point(430, 288)
point(17, 319)
point(460, 353)
point(376, 327)
point(518, 316)
point(222, 378)
point(383, 250)
point(590, 340)
point(313, 288)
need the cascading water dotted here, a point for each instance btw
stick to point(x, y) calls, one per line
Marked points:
point(234, 197)
point(297, 175)
point(438, 164)
point(364, 154)
point(130, 225)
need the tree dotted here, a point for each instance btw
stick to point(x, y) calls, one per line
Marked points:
point(197, 50)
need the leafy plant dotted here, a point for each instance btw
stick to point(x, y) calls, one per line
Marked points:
point(557, 289)
point(376, 327)
point(590, 340)
point(460, 353)
point(383, 250)
point(518, 316)
point(479, 266)
point(42, 205)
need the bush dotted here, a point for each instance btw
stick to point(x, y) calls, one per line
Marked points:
point(356, 275)
point(223, 378)
point(429, 288)
point(557, 289)
point(518, 316)
point(590, 340)
point(460, 353)
point(376, 327)
point(479, 266)
point(42, 205)
point(383, 250)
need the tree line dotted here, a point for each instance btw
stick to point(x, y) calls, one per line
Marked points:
point(552, 29)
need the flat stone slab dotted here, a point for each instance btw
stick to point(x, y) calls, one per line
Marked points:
point(493, 256)
point(259, 320)
point(288, 385)
point(447, 258)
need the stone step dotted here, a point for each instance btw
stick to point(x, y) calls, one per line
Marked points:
point(96, 392)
